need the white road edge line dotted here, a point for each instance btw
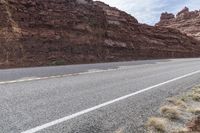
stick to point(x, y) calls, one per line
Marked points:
point(52, 77)
point(55, 122)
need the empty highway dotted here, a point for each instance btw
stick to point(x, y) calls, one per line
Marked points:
point(91, 98)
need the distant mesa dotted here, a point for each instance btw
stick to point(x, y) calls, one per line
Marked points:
point(186, 21)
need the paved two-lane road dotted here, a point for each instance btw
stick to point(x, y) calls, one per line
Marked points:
point(106, 97)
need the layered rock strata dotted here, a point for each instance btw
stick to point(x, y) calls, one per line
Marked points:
point(54, 32)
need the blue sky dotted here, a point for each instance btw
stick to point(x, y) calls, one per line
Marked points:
point(148, 11)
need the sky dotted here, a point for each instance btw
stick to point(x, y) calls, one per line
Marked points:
point(148, 11)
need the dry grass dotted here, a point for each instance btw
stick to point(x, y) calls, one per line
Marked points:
point(177, 113)
point(196, 89)
point(177, 102)
point(182, 130)
point(184, 98)
point(195, 96)
point(170, 112)
point(194, 110)
point(157, 124)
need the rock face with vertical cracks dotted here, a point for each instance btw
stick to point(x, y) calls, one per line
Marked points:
point(188, 22)
point(51, 32)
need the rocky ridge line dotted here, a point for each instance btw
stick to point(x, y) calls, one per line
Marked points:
point(186, 21)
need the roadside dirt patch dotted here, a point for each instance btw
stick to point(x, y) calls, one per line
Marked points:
point(180, 114)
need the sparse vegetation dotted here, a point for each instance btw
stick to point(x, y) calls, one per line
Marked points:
point(182, 130)
point(196, 89)
point(182, 114)
point(195, 96)
point(184, 97)
point(157, 124)
point(170, 112)
point(194, 110)
point(177, 102)
point(58, 62)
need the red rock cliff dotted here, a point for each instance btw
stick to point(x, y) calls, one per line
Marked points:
point(186, 21)
point(47, 32)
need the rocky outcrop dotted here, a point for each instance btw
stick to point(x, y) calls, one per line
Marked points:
point(188, 22)
point(166, 16)
point(184, 11)
point(48, 32)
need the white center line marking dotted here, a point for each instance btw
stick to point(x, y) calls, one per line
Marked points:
point(55, 122)
point(52, 77)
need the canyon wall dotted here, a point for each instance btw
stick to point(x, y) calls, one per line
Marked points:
point(54, 32)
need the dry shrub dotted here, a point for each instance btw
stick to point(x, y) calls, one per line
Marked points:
point(157, 123)
point(177, 102)
point(195, 111)
point(170, 112)
point(195, 96)
point(183, 130)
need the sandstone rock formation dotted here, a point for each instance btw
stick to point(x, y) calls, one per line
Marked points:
point(186, 21)
point(47, 32)
point(167, 16)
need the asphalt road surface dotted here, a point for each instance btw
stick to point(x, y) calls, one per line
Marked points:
point(95, 98)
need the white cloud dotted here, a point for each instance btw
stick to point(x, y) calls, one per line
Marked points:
point(148, 11)
point(193, 4)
